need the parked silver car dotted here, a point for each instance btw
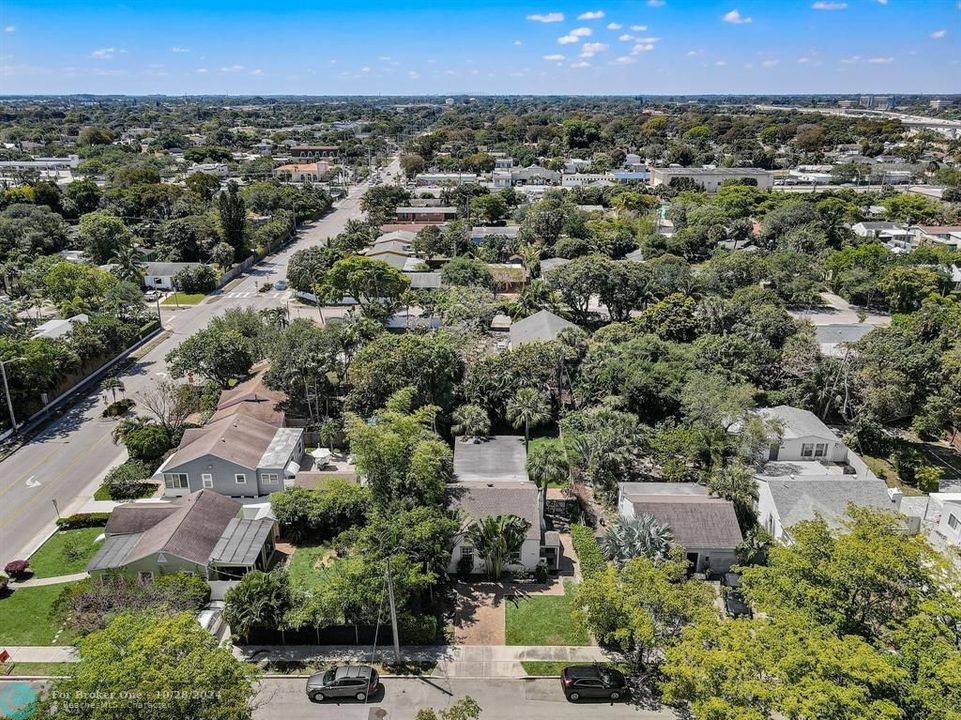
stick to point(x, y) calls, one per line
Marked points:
point(346, 681)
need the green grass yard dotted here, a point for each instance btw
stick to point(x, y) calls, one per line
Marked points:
point(41, 669)
point(305, 568)
point(543, 620)
point(183, 298)
point(66, 552)
point(552, 668)
point(29, 617)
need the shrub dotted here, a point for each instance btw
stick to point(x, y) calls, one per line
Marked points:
point(17, 568)
point(200, 279)
point(126, 481)
point(147, 443)
point(83, 520)
point(541, 573)
point(266, 287)
point(115, 409)
point(907, 461)
point(588, 552)
point(317, 515)
point(929, 479)
point(417, 629)
point(92, 603)
point(4, 582)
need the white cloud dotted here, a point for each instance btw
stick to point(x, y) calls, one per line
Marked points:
point(365, 69)
point(581, 32)
point(881, 60)
point(179, 50)
point(556, 57)
point(10, 29)
point(591, 49)
point(643, 47)
point(413, 75)
point(803, 60)
point(770, 63)
point(938, 34)
point(257, 73)
point(104, 53)
point(624, 60)
point(885, 2)
point(517, 43)
point(693, 53)
point(580, 64)
point(591, 15)
point(553, 17)
point(720, 63)
point(614, 26)
point(201, 71)
point(735, 18)
point(821, 5)
point(568, 39)
point(656, 3)
point(639, 28)
point(232, 68)
point(626, 38)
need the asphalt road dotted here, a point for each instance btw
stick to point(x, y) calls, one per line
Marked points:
point(67, 460)
point(401, 698)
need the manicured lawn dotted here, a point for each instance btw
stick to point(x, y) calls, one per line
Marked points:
point(41, 669)
point(29, 617)
point(543, 620)
point(66, 552)
point(305, 568)
point(183, 298)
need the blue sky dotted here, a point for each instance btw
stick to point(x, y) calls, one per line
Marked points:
point(632, 47)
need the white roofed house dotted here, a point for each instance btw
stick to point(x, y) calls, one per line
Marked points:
point(491, 479)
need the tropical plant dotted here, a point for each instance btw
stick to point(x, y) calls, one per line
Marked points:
point(472, 422)
point(528, 407)
point(259, 600)
point(638, 536)
point(128, 264)
point(735, 482)
point(495, 538)
point(113, 385)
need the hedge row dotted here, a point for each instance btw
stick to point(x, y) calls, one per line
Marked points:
point(588, 552)
point(83, 520)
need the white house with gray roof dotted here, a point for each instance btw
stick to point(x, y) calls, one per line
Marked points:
point(491, 479)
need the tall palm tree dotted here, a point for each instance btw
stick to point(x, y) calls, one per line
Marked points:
point(633, 537)
point(128, 264)
point(735, 482)
point(496, 538)
point(547, 463)
point(472, 422)
point(528, 407)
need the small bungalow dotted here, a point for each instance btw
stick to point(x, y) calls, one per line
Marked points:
point(541, 326)
point(205, 534)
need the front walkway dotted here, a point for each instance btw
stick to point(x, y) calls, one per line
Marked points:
point(56, 580)
point(42, 653)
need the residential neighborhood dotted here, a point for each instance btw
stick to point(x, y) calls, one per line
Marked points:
point(440, 389)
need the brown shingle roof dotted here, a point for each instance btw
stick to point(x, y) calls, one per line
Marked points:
point(236, 438)
point(192, 531)
point(137, 517)
point(698, 522)
point(253, 399)
point(478, 500)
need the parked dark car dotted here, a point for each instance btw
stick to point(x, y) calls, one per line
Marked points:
point(734, 601)
point(346, 681)
point(592, 681)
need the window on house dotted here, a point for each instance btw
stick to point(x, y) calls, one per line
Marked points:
point(514, 558)
point(953, 522)
point(240, 479)
point(269, 478)
point(145, 577)
point(207, 479)
point(467, 554)
point(807, 449)
point(820, 450)
point(176, 481)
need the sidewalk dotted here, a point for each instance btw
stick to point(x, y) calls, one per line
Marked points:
point(42, 653)
point(463, 661)
point(56, 580)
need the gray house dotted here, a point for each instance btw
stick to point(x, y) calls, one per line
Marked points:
point(237, 455)
point(203, 534)
point(542, 325)
point(705, 526)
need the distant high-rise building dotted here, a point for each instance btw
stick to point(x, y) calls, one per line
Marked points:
point(939, 104)
point(867, 101)
point(846, 103)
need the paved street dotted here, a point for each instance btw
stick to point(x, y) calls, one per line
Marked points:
point(401, 698)
point(66, 461)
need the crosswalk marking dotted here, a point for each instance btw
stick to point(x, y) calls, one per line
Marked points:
point(239, 294)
